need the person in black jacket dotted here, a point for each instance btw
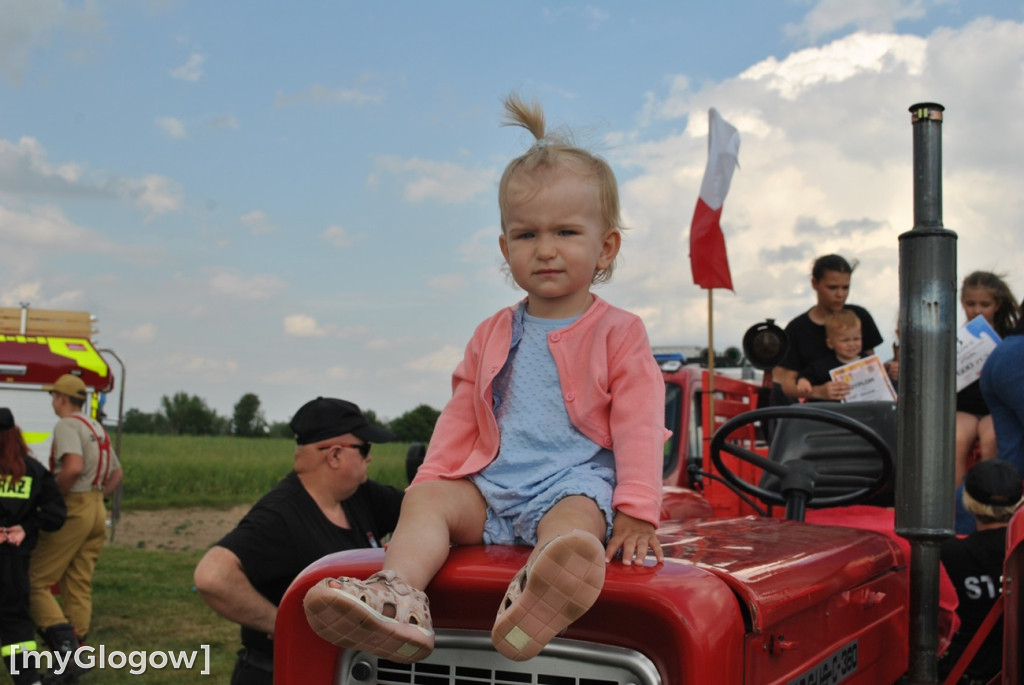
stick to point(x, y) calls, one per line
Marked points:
point(29, 502)
point(991, 493)
point(325, 505)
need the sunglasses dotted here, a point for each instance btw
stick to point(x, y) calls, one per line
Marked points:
point(364, 448)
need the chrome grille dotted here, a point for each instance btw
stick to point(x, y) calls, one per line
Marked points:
point(469, 658)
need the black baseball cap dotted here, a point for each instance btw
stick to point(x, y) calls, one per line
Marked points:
point(994, 482)
point(6, 419)
point(327, 417)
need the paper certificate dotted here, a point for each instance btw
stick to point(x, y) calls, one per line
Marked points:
point(868, 380)
point(974, 343)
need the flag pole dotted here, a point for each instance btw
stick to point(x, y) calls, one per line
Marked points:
point(711, 361)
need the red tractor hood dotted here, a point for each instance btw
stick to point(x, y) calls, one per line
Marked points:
point(723, 583)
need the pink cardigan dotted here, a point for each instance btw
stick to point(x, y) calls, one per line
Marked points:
point(613, 391)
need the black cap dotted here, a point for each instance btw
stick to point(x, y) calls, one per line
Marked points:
point(994, 482)
point(6, 419)
point(326, 417)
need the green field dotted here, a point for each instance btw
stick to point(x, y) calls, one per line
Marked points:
point(144, 599)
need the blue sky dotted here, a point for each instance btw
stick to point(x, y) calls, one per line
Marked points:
point(297, 199)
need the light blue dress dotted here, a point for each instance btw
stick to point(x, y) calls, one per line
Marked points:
point(542, 457)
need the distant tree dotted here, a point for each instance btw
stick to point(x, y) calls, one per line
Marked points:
point(416, 425)
point(188, 415)
point(248, 421)
point(280, 429)
point(137, 421)
point(371, 416)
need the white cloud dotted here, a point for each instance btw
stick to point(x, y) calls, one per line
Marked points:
point(448, 283)
point(24, 168)
point(340, 373)
point(319, 94)
point(154, 193)
point(223, 121)
point(838, 62)
point(591, 15)
point(14, 295)
point(445, 181)
point(143, 333)
point(443, 360)
point(303, 326)
point(191, 70)
point(830, 16)
point(211, 368)
point(257, 223)
point(25, 171)
point(45, 229)
point(172, 127)
point(338, 236)
point(257, 287)
point(28, 26)
point(825, 166)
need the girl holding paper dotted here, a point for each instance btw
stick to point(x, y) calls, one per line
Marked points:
point(982, 294)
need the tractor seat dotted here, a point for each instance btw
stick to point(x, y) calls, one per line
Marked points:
point(834, 450)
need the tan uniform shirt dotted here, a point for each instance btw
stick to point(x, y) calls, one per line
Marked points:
point(79, 434)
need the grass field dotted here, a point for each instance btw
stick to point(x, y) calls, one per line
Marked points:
point(144, 599)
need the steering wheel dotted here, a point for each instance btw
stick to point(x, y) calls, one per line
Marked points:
point(799, 478)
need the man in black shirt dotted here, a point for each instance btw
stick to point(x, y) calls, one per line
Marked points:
point(325, 505)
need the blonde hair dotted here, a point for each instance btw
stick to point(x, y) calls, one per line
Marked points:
point(988, 513)
point(550, 151)
point(843, 320)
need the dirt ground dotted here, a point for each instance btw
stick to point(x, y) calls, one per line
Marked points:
point(175, 529)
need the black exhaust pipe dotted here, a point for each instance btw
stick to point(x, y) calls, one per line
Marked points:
point(927, 389)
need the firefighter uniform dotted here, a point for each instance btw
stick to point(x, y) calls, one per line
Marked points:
point(68, 556)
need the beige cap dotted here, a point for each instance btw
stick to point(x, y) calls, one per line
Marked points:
point(69, 385)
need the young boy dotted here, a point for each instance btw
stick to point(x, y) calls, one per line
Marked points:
point(843, 337)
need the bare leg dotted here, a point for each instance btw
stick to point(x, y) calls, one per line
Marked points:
point(577, 512)
point(987, 438)
point(561, 581)
point(966, 434)
point(434, 515)
point(388, 614)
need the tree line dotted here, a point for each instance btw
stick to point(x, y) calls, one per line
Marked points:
point(184, 414)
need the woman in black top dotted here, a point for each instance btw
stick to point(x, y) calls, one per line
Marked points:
point(830, 278)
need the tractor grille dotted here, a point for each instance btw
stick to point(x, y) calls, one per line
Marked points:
point(469, 658)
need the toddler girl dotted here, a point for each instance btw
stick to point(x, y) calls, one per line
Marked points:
point(553, 437)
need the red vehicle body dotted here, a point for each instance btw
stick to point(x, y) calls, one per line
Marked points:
point(740, 598)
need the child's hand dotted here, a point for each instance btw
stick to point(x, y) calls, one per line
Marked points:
point(835, 391)
point(633, 537)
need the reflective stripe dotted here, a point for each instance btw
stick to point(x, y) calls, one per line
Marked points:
point(27, 646)
point(22, 489)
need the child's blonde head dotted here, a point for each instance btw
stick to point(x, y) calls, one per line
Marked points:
point(840, 322)
point(553, 151)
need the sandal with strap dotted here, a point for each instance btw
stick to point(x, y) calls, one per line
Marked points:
point(547, 595)
point(381, 615)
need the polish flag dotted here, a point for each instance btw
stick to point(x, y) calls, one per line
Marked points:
point(708, 260)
